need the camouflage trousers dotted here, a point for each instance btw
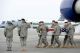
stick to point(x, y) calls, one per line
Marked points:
point(9, 41)
point(43, 39)
point(23, 41)
point(56, 40)
point(70, 40)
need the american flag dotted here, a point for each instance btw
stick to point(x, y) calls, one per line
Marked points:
point(64, 30)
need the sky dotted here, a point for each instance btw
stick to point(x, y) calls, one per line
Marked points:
point(31, 10)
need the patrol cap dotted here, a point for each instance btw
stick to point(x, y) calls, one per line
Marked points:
point(65, 22)
point(53, 20)
point(9, 22)
point(23, 19)
point(41, 22)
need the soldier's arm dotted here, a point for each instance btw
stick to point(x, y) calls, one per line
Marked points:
point(5, 30)
point(14, 26)
point(38, 30)
point(19, 29)
point(47, 28)
point(28, 24)
point(55, 29)
point(74, 28)
point(60, 30)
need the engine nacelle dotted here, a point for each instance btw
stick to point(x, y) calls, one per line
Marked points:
point(70, 9)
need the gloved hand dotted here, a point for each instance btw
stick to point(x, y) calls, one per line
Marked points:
point(5, 34)
point(39, 34)
point(19, 33)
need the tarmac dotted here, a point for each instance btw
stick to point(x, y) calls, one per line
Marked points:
point(32, 42)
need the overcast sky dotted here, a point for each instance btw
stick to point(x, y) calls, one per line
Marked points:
point(31, 10)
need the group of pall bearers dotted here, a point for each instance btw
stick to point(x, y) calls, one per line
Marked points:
point(42, 33)
point(42, 30)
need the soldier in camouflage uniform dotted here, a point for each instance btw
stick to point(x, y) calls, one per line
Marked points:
point(42, 30)
point(39, 34)
point(52, 38)
point(8, 32)
point(66, 28)
point(71, 34)
point(22, 31)
point(57, 32)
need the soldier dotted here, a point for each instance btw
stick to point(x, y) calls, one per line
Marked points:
point(42, 30)
point(39, 34)
point(8, 32)
point(71, 34)
point(22, 31)
point(57, 32)
point(52, 38)
point(66, 30)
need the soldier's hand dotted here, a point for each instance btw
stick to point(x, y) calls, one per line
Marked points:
point(39, 33)
point(19, 34)
point(5, 34)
